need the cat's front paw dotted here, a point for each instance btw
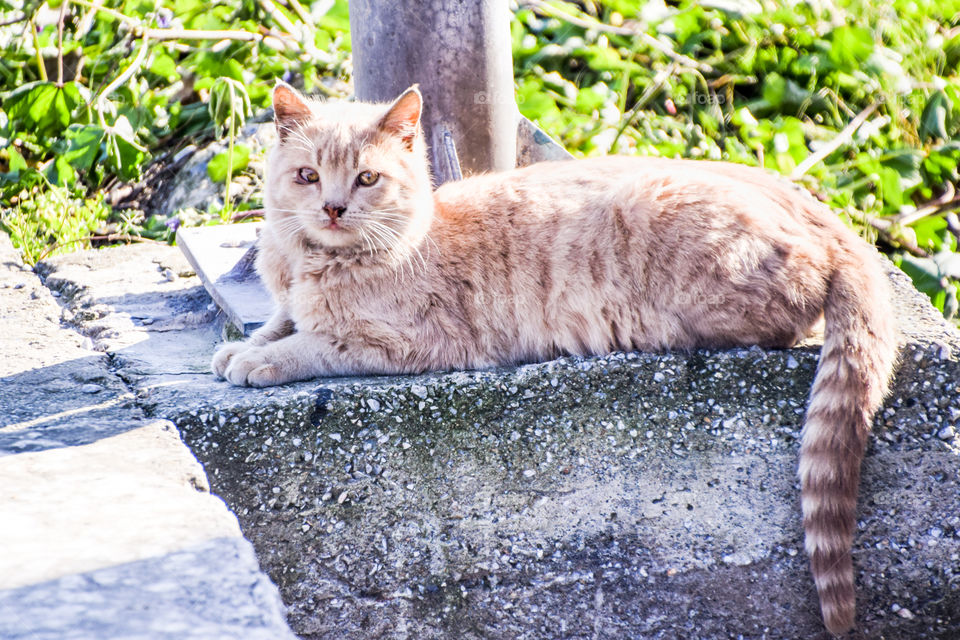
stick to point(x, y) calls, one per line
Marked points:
point(253, 368)
point(223, 356)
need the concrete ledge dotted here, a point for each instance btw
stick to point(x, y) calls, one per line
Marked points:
point(204, 592)
point(634, 495)
point(108, 528)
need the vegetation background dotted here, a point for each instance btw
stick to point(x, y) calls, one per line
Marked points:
point(856, 100)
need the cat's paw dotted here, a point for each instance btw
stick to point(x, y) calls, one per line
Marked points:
point(253, 368)
point(223, 356)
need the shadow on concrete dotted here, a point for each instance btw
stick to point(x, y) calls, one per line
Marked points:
point(72, 403)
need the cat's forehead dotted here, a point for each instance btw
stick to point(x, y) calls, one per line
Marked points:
point(361, 114)
point(340, 131)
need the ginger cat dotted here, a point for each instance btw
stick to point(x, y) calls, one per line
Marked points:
point(375, 273)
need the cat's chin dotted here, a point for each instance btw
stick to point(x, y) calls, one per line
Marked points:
point(334, 238)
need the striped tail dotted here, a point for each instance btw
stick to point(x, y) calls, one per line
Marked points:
point(856, 362)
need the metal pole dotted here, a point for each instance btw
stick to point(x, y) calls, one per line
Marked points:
point(459, 51)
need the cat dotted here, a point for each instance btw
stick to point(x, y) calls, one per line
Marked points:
point(374, 272)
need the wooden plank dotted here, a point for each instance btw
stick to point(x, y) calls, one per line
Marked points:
point(223, 259)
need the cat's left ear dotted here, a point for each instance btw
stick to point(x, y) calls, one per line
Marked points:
point(403, 117)
point(289, 108)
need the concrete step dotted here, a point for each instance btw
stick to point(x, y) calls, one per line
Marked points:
point(632, 495)
point(107, 524)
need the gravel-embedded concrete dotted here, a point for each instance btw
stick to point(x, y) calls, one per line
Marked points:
point(107, 525)
point(633, 495)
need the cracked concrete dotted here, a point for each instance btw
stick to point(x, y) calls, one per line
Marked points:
point(633, 495)
point(109, 528)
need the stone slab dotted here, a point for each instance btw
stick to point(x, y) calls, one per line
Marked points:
point(202, 592)
point(107, 524)
point(143, 495)
point(223, 258)
point(632, 495)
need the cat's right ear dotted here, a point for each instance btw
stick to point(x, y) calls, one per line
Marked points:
point(289, 108)
point(403, 117)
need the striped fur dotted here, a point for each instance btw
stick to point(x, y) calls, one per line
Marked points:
point(855, 365)
point(580, 257)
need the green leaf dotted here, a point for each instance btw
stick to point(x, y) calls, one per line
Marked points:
point(890, 187)
point(906, 162)
point(85, 145)
point(163, 66)
point(774, 89)
point(220, 163)
point(850, 46)
point(16, 160)
point(941, 163)
point(534, 103)
point(924, 272)
point(929, 230)
point(42, 107)
point(590, 99)
point(229, 105)
point(931, 276)
point(60, 172)
point(933, 120)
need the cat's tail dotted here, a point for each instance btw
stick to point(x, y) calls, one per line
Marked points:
point(858, 356)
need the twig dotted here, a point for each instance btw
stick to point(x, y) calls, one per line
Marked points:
point(116, 14)
point(306, 35)
point(946, 201)
point(189, 34)
point(127, 73)
point(63, 14)
point(277, 15)
point(647, 39)
point(41, 69)
point(285, 39)
point(654, 87)
point(841, 139)
point(301, 12)
point(953, 224)
point(7, 23)
point(198, 34)
point(897, 242)
point(240, 216)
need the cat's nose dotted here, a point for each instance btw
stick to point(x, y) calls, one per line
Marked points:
point(334, 210)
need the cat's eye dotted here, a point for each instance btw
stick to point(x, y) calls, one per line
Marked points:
point(306, 174)
point(367, 178)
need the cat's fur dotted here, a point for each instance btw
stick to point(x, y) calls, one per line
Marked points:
point(579, 257)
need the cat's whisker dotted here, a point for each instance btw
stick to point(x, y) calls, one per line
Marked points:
point(392, 236)
point(376, 235)
point(287, 222)
point(376, 215)
point(364, 236)
point(300, 136)
point(386, 241)
point(288, 226)
point(390, 239)
point(429, 240)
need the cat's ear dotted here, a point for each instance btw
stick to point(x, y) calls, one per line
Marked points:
point(403, 117)
point(289, 108)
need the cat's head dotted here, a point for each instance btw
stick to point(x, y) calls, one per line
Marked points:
point(349, 175)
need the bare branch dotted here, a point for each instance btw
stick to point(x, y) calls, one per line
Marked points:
point(63, 15)
point(841, 139)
